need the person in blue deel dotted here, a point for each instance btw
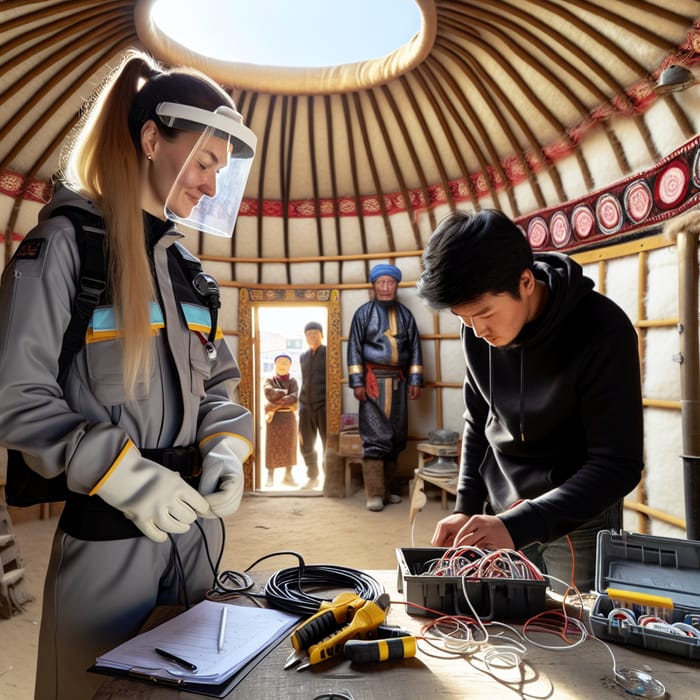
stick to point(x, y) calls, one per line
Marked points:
point(385, 367)
point(553, 421)
point(141, 424)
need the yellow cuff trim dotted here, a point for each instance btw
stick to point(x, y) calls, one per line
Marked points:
point(115, 464)
point(356, 369)
point(205, 440)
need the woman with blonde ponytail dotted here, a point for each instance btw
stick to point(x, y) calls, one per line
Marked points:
point(140, 423)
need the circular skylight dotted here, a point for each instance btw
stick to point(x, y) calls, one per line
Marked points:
point(290, 33)
point(290, 47)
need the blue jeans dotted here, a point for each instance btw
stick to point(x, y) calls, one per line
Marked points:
point(554, 558)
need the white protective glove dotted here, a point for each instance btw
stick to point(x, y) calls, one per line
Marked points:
point(221, 482)
point(157, 499)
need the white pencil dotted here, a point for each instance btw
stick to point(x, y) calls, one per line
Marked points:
point(222, 629)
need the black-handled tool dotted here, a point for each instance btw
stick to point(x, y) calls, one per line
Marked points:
point(329, 617)
point(365, 651)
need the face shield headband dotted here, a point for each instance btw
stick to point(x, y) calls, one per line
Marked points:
point(206, 195)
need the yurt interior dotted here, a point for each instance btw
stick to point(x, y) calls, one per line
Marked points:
point(578, 120)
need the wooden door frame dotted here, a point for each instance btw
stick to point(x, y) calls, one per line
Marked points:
point(249, 353)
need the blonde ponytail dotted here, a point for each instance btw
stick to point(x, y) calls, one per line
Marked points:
point(104, 164)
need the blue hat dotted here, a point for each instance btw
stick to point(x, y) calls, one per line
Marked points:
point(282, 354)
point(384, 269)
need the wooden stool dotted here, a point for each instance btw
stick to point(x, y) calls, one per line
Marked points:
point(349, 461)
point(447, 484)
point(350, 449)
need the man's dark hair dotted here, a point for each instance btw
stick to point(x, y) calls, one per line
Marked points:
point(469, 255)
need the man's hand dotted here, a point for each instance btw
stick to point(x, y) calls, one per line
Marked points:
point(447, 528)
point(413, 392)
point(485, 532)
point(360, 393)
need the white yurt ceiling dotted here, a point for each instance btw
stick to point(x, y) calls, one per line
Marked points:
point(514, 104)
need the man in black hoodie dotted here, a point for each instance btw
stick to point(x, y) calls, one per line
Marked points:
point(553, 422)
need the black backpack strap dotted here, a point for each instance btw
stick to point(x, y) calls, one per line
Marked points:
point(24, 486)
point(205, 286)
point(90, 235)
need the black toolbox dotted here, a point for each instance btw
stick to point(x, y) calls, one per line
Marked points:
point(656, 566)
point(492, 599)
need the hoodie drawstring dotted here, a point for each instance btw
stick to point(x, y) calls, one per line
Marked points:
point(492, 408)
point(522, 394)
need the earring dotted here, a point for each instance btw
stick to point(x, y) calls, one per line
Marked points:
point(149, 156)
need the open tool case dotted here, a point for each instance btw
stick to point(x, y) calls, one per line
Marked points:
point(492, 599)
point(648, 565)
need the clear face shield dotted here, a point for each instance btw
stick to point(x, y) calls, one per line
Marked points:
point(206, 194)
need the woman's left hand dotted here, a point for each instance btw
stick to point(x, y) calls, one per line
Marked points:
point(222, 479)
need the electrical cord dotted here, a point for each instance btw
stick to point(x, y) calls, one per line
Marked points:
point(179, 571)
point(285, 589)
point(290, 589)
point(177, 561)
point(214, 566)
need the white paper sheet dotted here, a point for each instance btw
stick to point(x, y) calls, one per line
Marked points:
point(193, 636)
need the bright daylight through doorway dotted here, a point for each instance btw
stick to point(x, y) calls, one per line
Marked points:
point(280, 329)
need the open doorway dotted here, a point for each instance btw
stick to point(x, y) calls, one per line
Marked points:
point(280, 330)
point(291, 301)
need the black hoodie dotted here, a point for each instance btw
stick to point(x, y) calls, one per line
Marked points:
point(553, 432)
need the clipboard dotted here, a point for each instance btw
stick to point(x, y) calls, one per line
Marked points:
point(250, 634)
point(213, 690)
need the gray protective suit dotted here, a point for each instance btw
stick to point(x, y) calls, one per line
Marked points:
point(98, 593)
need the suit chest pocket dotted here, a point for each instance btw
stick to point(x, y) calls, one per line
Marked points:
point(106, 379)
point(200, 365)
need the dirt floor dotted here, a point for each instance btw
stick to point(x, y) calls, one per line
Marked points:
point(322, 530)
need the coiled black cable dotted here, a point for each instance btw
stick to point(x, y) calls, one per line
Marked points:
point(286, 588)
point(291, 589)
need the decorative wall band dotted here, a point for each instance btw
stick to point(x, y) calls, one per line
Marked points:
point(639, 201)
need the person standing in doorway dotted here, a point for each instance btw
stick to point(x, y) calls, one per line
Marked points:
point(281, 396)
point(385, 367)
point(312, 401)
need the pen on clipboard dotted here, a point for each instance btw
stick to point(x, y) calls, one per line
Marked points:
point(176, 659)
point(222, 629)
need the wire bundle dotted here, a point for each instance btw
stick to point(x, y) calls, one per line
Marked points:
point(474, 563)
point(465, 635)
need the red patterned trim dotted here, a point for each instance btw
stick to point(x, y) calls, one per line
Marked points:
point(14, 184)
point(639, 201)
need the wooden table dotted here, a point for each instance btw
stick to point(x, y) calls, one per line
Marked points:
point(573, 674)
